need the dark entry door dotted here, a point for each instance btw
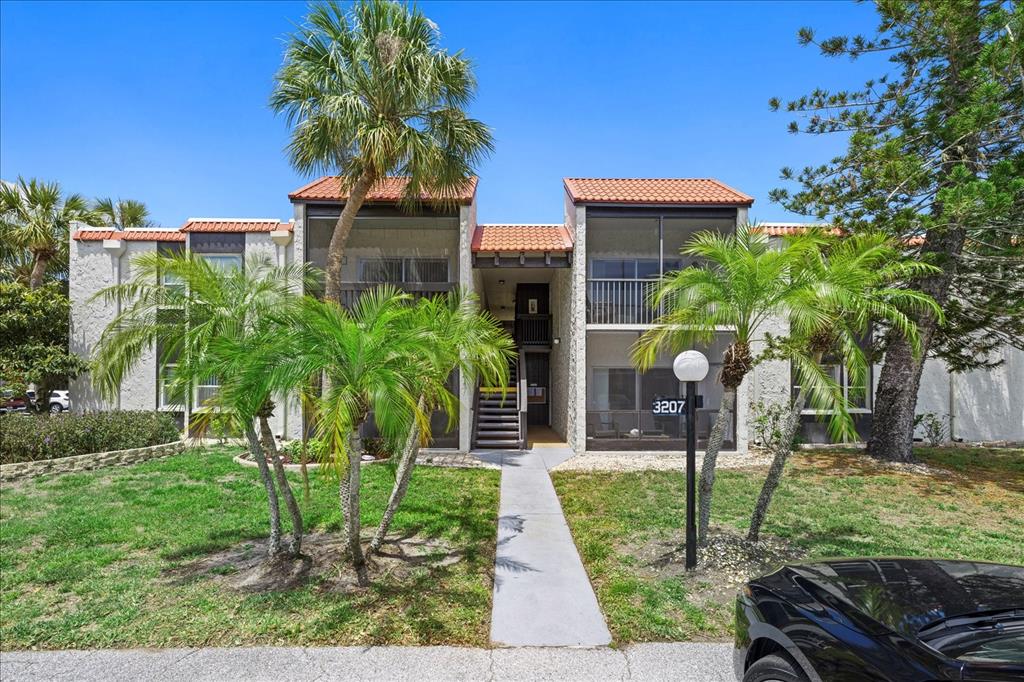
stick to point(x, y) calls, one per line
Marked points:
point(538, 389)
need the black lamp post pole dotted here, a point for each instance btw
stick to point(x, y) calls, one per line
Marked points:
point(691, 478)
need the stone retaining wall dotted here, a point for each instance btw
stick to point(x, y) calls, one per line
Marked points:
point(93, 460)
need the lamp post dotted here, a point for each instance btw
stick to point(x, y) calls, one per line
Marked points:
point(691, 366)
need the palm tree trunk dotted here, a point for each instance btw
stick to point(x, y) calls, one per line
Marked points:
point(274, 546)
point(707, 470)
point(783, 448)
point(270, 447)
point(342, 229)
point(351, 511)
point(402, 477)
point(35, 279)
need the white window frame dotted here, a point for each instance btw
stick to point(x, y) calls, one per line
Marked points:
point(844, 382)
point(211, 258)
point(163, 383)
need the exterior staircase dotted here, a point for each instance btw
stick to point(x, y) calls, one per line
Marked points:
point(498, 418)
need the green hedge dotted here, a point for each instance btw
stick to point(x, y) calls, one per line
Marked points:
point(27, 438)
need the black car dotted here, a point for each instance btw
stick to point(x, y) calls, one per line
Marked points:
point(882, 619)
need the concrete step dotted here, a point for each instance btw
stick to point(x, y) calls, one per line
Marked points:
point(497, 444)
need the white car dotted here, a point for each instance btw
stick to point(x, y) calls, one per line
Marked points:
point(60, 401)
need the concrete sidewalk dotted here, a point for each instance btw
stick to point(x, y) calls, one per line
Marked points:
point(542, 594)
point(683, 662)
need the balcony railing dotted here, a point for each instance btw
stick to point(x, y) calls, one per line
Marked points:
point(620, 301)
point(533, 330)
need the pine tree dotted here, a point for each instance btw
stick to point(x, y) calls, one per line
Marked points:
point(935, 157)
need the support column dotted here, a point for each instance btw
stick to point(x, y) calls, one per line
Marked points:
point(467, 224)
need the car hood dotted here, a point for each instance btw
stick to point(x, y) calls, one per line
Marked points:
point(905, 595)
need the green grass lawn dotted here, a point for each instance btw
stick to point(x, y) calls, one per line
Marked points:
point(829, 504)
point(89, 560)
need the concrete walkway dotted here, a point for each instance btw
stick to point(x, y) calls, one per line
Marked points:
point(542, 595)
point(676, 662)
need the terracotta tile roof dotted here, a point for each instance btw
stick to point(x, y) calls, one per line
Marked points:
point(386, 190)
point(785, 229)
point(517, 238)
point(234, 225)
point(679, 191)
point(130, 235)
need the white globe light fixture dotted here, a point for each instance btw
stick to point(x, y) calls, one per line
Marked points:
point(690, 365)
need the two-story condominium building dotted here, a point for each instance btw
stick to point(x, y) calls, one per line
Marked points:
point(572, 294)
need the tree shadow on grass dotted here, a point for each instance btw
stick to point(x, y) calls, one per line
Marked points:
point(936, 469)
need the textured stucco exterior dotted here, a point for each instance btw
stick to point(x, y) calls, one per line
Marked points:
point(985, 405)
point(92, 266)
point(576, 407)
point(467, 223)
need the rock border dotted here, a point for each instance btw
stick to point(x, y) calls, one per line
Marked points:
point(93, 460)
point(310, 466)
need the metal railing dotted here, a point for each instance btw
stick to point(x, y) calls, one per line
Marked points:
point(533, 330)
point(620, 301)
point(523, 404)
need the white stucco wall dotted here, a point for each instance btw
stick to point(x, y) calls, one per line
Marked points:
point(91, 268)
point(986, 404)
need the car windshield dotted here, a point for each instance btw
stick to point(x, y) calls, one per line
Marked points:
point(982, 638)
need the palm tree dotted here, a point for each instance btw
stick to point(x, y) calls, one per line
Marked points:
point(856, 282)
point(122, 213)
point(372, 360)
point(197, 322)
point(740, 284)
point(462, 338)
point(35, 219)
point(371, 93)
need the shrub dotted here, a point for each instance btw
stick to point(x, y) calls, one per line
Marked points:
point(26, 438)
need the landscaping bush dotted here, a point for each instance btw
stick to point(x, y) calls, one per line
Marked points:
point(26, 438)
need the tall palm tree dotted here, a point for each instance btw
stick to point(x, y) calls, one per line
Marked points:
point(122, 213)
point(460, 337)
point(371, 93)
point(740, 284)
point(856, 282)
point(35, 219)
point(371, 358)
point(196, 322)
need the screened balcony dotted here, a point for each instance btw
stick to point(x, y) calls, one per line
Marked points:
point(416, 254)
point(627, 255)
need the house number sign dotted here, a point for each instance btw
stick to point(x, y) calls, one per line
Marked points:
point(669, 406)
point(672, 406)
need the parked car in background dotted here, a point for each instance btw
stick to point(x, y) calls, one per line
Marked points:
point(882, 619)
point(9, 402)
point(60, 401)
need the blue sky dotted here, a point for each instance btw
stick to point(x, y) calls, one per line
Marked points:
point(167, 102)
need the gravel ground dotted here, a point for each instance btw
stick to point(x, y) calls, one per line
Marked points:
point(658, 461)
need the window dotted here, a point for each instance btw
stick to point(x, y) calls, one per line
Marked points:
point(381, 270)
point(403, 270)
point(633, 268)
point(169, 396)
point(206, 390)
point(856, 395)
point(225, 261)
point(614, 388)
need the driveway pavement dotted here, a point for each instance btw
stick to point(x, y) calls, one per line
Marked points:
point(683, 662)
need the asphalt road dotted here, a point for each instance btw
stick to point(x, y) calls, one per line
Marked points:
point(682, 662)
